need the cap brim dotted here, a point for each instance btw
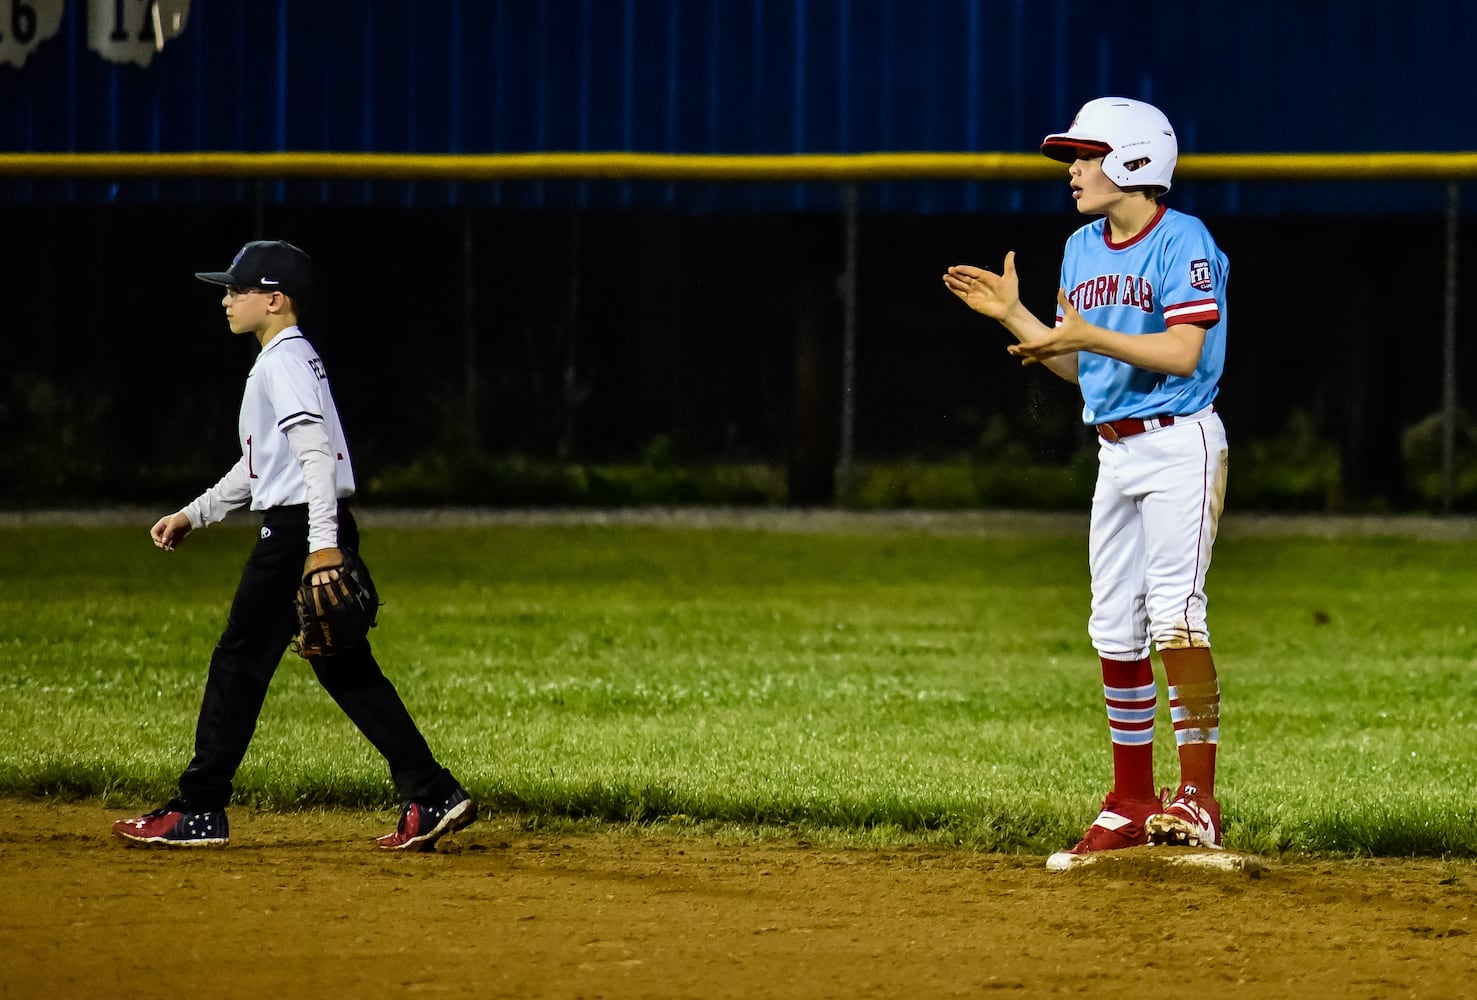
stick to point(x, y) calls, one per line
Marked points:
point(1067, 148)
point(215, 277)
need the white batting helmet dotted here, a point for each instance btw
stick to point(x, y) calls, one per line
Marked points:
point(1121, 131)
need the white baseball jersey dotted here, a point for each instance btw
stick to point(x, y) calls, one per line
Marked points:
point(1170, 273)
point(287, 385)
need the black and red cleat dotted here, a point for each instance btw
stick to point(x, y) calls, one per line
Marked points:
point(175, 826)
point(423, 823)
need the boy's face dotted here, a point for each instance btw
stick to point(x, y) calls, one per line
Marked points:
point(247, 309)
point(1091, 188)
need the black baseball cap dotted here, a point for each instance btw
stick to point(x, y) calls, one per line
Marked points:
point(271, 265)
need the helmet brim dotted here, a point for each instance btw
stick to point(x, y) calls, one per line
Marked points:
point(1066, 148)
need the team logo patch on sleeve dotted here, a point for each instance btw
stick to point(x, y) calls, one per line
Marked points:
point(1200, 275)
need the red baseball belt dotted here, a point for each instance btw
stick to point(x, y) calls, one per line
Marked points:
point(1117, 430)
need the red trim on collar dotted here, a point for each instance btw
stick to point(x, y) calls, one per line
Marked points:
point(1142, 233)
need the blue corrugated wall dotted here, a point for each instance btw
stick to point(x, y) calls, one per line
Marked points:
point(746, 76)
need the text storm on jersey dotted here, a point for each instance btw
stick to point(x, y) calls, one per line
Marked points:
point(1113, 290)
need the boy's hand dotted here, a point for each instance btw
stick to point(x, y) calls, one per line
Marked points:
point(1074, 334)
point(987, 293)
point(170, 530)
point(322, 566)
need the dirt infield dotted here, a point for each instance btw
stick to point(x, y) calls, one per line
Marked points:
point(303, 906)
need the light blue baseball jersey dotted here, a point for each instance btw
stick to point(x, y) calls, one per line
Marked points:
point(1170, 273)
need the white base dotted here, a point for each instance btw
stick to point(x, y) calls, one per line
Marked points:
point(1212, 859)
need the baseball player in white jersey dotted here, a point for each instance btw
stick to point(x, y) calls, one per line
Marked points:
point(295, 470)
point(1141, 328)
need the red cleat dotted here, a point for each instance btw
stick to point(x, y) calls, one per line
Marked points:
point(1120, 825)
point(1192, 819)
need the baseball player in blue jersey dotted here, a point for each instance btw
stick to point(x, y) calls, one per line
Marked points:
point(1141, 328)
point(295, 470)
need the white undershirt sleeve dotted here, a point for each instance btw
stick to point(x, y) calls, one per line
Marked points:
point(310, 446)
point(232, 491)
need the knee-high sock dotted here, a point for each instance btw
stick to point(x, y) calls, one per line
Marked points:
point(1195, 707)
point(1128, 687)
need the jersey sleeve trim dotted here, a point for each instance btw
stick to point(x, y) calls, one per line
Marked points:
point(301, 416)
point(1198, 311)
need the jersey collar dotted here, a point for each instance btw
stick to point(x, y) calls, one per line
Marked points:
point(287, 333)
point(1128, 243)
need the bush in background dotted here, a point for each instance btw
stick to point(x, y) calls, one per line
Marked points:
point(474, 478)
point(1292, 472)
point(78, 461)
point(1421, 450)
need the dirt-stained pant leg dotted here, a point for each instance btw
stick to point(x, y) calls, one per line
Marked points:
point(1155, 514)
point(1182, 508)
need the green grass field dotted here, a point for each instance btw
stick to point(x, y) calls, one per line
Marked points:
point(887, 687)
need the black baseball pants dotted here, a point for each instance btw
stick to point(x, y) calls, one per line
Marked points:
point(261, 624)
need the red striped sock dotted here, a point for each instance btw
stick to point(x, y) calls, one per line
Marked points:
point(1195, 707)
point(1128, 688)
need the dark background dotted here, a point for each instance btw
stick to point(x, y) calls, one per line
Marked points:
point(595, 333)
point(585, 321)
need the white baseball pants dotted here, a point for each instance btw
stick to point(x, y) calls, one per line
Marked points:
point(1155, 512)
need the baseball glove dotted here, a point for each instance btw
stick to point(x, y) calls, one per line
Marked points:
point(336, 615)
